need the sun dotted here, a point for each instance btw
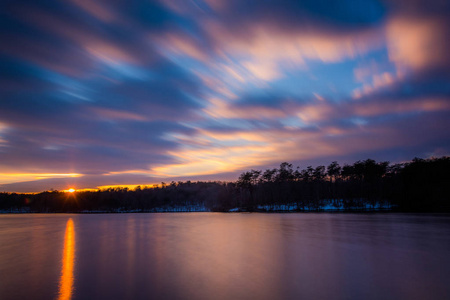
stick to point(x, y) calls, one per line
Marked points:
point(71, 190)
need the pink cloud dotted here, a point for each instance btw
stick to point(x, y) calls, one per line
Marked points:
point(417, 42)
point(261, 53)
point(113, 114)
point(3, 129)
point(376, 108)
point(379, 82)
point(215, 84)
point(263, 43)
point(361, 73)
point(263, 70)
point(108, 52)
point(382, 80)
point(318, 97)
point(182, 45)
point(221, 109)
point(316, 112)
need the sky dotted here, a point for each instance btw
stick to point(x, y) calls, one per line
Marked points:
point(115, 92)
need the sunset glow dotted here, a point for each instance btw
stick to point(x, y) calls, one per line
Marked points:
point(120, 94)
point(68, 261)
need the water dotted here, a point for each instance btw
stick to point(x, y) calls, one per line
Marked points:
point(225, 256)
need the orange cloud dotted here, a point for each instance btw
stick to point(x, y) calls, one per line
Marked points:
point(6, 178)
point(139, 172)
point(232, 151)
point(248, 149)
point(215, 159)
point(128, 186)
point(269, 146)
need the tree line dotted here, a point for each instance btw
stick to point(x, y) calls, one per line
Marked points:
point(419, 185)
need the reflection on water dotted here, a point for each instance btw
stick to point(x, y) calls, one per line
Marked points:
point(225, 256)
point(66, 279)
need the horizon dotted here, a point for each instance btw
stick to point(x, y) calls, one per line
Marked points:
point(162, 184)
point(109, 94)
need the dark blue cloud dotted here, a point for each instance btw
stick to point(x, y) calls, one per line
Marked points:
point(294, 15)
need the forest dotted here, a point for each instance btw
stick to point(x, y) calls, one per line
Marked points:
point(421, 185)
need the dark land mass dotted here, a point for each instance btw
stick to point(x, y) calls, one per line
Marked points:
point(422, 185)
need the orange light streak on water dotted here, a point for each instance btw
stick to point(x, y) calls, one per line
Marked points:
point(66, 280)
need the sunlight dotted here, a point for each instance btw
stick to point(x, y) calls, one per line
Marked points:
point(71, 190)
point(6, 178)
point(66, 280)
point(128, 186)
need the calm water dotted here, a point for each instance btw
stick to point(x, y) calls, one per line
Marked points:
point(225, 256)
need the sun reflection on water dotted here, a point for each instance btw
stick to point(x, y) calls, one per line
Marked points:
point(66, 279)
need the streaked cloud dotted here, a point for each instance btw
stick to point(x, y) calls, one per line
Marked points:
point(134, 93)
point(418, 42)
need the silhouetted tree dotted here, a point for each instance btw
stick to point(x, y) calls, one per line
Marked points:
point(419, 185)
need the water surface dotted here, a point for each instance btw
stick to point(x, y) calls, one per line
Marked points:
point(225, 256)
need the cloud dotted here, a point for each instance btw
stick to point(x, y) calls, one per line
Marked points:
point(266, 146)
point(59, 37)
point(77, 182)
point(418, 43)
point(222, 109)
point(255, 43)
point(287, 14)
point(130, 93)
point(379, 82)
point(384, 108)
point(100, 11)
point(116, 126)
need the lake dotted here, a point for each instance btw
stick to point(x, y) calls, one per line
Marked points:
point(225, 256)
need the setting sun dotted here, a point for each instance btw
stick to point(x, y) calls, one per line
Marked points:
point(71, 190)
